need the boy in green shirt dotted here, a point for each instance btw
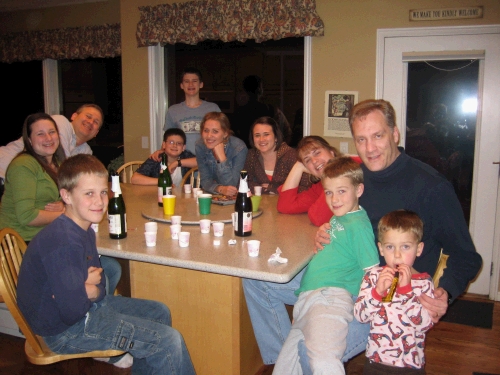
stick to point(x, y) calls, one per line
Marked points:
point(325, 305)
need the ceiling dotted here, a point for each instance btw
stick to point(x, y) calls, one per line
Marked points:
point(11, 5)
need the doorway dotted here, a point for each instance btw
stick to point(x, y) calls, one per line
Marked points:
point(395, 48)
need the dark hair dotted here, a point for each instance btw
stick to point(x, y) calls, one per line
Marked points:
point(91, 105)
point(191, 70)
point(312, 142)
point(221, 118)
point(266, 120)
point(72, 169)
point(253, 85)
point(343, 166)
point(174, 131)
point(58, 156)
point(403, 221)
point(364, 108)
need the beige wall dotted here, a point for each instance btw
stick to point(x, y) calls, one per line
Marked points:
point(343, 59)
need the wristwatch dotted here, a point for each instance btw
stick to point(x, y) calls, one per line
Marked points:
point(179, 162)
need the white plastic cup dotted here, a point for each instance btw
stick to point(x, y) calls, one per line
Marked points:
point(253, 247)
point(187, 188)
point(151, 226)
point(175, 220)
point(195, 191)
point(150, 238)
point(174, 231)
point(258, 190)
point(218, 228)
point(205, 225)
point(95, 227)
point(184, 239)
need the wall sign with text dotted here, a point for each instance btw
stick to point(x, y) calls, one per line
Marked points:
point(445, 14)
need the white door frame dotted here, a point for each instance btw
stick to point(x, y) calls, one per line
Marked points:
point(483, 214)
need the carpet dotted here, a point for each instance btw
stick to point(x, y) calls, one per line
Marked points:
point(470, 313)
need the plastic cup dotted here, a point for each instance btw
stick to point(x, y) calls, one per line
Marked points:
point(168, 204)
point(184, 239)
point(150, 238)
point(151, 226)
point(255, 202)
point(205, 225)
point(187, 188)
point(175, 230)
point(205, 201)
point(253, 247)
point(218, 228)
point(195, 192)
point(257, 190)
point(175, 220)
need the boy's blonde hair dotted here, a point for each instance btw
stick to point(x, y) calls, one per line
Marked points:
point(401, 220)
point(71, 169)
point(343, 166)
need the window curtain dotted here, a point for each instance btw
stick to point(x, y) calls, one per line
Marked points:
point(227, 20)
point(58, 44)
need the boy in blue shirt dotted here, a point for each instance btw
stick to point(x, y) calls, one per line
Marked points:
point(325, 305)
point(61, 292)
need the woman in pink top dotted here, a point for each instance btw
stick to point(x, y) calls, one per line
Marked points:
point(313, 153)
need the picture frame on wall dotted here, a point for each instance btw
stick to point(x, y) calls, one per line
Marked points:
point(337, 107)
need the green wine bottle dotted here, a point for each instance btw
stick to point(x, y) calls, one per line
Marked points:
point(164, 181)
point(117, 215)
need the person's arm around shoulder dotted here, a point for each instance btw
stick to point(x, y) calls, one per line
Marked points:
point(146, 174)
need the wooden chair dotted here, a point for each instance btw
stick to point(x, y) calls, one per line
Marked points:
point(440, 268)
point(12, 249)
point(127, 170)
point(193, 181)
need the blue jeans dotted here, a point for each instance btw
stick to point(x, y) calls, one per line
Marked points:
point(139, 327)
point(112, 271)
point(271, 323)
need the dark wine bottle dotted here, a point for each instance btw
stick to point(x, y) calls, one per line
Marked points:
point(117, 215)
point(164, 181)
point(243, 208)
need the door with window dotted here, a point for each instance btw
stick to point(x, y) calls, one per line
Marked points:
point(462, 141)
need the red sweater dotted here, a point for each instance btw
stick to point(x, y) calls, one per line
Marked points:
point(312, 201)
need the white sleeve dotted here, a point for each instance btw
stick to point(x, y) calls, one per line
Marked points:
point(9, 152)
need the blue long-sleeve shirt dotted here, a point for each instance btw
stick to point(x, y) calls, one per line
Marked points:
point(225, 173)
point(51, 287)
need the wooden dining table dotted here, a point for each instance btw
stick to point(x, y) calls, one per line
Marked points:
point(201, 284)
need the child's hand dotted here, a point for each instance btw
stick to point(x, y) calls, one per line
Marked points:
point(94, 277)
point(384, 280)
point(404, 275)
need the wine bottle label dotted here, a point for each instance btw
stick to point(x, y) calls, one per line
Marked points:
point(247, 222)
point(169, 190)
point(115, 224)
point(160, 194)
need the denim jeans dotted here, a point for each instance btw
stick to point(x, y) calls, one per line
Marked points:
point(112, 271)
point(271, 323)
point(139, 327)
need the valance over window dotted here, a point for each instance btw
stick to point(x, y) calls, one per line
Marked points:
point(227, 20)
point(69, 43)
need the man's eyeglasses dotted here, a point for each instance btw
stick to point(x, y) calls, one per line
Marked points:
point(179, 144)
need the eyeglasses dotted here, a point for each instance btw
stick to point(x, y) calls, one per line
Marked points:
point(171, 143)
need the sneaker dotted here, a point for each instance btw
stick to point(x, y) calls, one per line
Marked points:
point(125, 361)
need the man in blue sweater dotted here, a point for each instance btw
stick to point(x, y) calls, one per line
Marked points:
point(62, 295)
